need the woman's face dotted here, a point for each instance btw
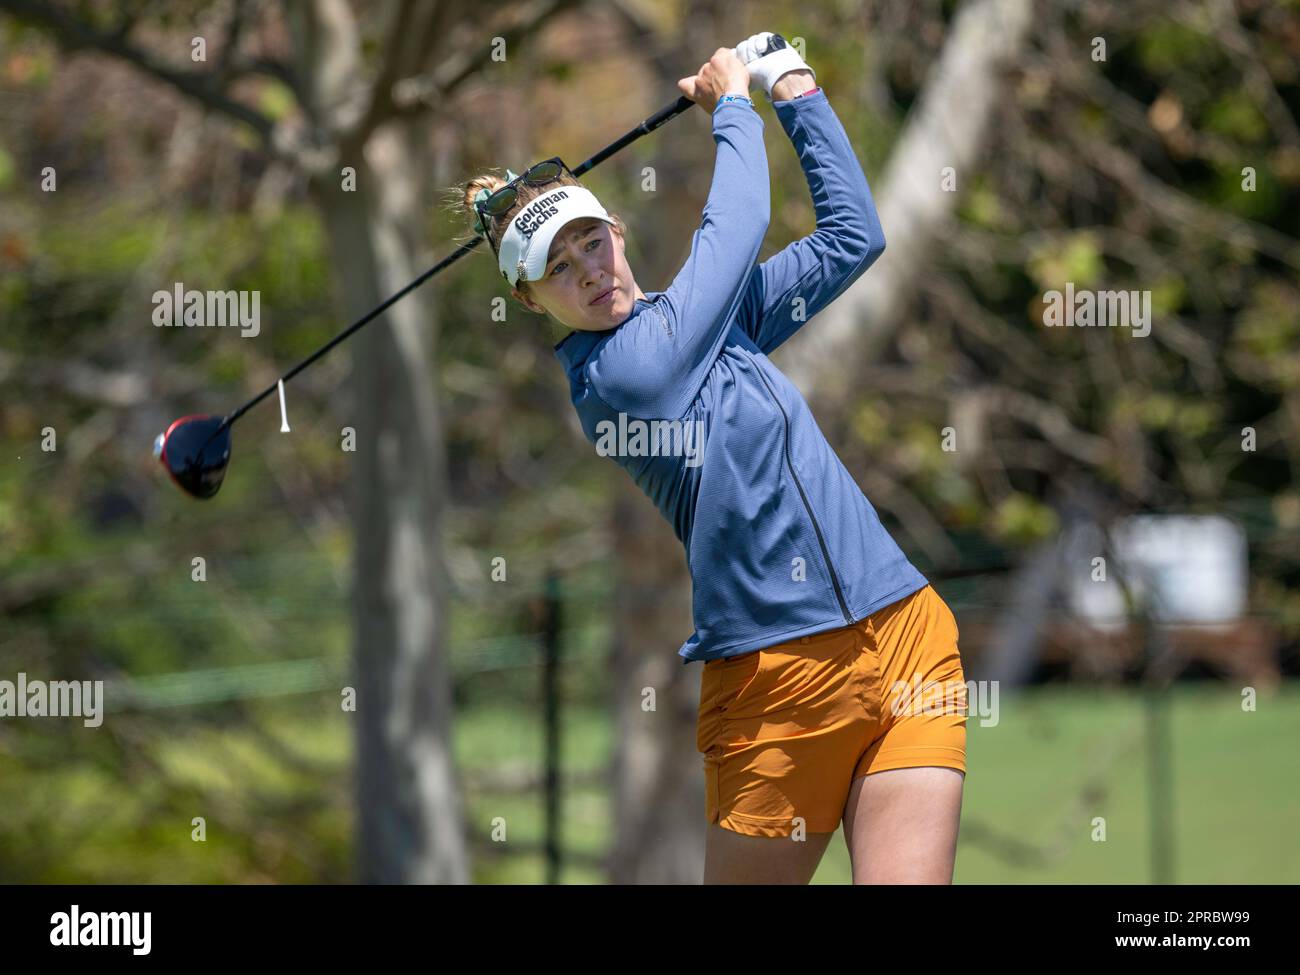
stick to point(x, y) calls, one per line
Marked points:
point(586, 261)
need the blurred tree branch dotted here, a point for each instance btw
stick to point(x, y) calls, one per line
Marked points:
point(74, 33)
point(406, 93)
point(948, 128)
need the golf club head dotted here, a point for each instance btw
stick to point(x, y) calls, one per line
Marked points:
point(193, 456)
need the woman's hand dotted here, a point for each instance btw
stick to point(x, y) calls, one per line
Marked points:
point(722, 74)
point(775, 66)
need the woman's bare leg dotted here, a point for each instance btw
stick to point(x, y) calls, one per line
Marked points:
point(734, 858)
point(901, 825)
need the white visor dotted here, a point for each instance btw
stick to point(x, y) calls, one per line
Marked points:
point(527, 241)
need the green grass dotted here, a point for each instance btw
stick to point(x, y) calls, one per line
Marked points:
point(509, 739)
point(1059, 758)
point(1056, 760)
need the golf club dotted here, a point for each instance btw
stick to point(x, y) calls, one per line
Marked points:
point(195, 450)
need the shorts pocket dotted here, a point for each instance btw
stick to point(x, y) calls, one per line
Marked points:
point(737, 691)
point(737, 677)
point(782, 681)
point(724, 681)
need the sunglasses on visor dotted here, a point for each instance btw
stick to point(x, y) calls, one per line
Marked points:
point(500, 201)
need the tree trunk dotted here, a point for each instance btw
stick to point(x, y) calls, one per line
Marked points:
point(658, 783)
point(947, 128)
point(410, 822)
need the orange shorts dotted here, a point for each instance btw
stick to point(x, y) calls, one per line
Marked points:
point(785, 730)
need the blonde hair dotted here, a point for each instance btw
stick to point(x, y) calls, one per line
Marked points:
point(462, 200)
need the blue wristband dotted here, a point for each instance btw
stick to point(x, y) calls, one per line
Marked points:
point(734, 98)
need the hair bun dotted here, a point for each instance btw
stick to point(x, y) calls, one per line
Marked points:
point(477, 189)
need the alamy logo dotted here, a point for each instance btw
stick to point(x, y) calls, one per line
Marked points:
point(53, 699)
point(105, 928)
point(538, 212)
point(653, 438)
point(213, 309)
point(978, 698)
point(1084, 309)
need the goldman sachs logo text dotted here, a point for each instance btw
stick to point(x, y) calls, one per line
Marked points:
point(538, 212)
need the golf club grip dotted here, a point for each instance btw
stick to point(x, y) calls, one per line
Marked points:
point(669, 111)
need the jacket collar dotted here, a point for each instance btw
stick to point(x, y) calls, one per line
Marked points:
point(574, 348)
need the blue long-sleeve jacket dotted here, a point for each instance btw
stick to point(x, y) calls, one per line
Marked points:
point(780, 541)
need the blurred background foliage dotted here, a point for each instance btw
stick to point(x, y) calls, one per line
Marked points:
point(1125, 173)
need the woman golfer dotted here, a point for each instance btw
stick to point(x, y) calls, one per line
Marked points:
point(832, 687)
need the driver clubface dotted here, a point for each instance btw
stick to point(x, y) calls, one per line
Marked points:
point(195, 458)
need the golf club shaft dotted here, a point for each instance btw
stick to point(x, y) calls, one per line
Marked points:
point(669, 111)
point(364, 319)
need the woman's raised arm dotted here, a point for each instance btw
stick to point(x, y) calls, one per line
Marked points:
point(674, 344)
point(790, 287)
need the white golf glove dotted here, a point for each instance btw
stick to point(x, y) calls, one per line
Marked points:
point(768, 57)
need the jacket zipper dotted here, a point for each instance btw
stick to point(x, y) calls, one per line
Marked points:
point(839, 594)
